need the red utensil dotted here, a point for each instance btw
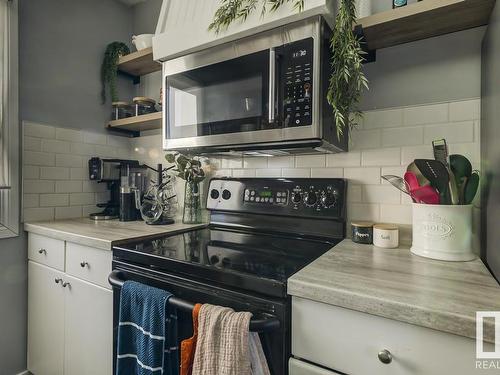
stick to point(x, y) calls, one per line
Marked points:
point(426, 195)
point(412, 180)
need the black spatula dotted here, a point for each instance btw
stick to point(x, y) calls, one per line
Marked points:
point(437, 174)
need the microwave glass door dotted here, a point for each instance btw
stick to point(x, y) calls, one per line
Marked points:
point(228, 97)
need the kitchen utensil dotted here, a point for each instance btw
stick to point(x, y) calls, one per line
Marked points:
point(437, 174)
point(426, 195)
point(412, 181)
point(441, 154)
point(422, 181)
point(142, 41)
point(398, 182)
point(471, 187)
point(462, 169)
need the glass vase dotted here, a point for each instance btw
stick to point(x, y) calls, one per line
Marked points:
point(192, 203)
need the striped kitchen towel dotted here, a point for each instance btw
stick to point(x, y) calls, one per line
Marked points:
point(147, 332)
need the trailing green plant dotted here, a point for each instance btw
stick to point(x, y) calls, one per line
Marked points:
point(187, 168)
point(109, 69)
point(347, 80)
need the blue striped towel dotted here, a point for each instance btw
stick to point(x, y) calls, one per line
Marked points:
point(147, 332)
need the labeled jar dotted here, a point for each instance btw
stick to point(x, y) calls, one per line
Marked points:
point(362, 232)
point(144, 105)
point(120, 110)
point(386, 236)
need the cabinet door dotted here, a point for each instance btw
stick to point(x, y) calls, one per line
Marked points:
point(88, 329)
point(45, 320)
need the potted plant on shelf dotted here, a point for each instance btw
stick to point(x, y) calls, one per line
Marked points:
point(190, 170)
point(347, 80)
point(109, 69)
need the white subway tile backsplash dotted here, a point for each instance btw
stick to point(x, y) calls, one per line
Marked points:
point(53, 145)
point(410, 153)
point(31, 200)
point(456, 132)
point(463, 110)
point(363, 211)
point(381, 194)
point(400, 214)
point(354, 193)
point(120, 142)
point(305, 161)
point(365, 176)
point(38, 214)
point(82, 199)
point(39, 158)
point(381, 157)
point(69, 160)
point(68, 186)
point(93, 187)
point(365, 139)
point(38, 186)
point(471, 151)
point(393, 171)
point(296, 172)
point(407, 136)
point(54, 173)
point(327, 172)
point(54, 200)
point(269, 172)
point(70, 135)
point(426, 114)
point(254, 162)
point(79, 174)
point(68, 212)
point(105, 151)
point(82, 149)
point(94, 138)
point(32, 144)
point(238, 173)
point(281, 162)
point(388, 118)
point(31, 172)
point(223, 173)
point(33, 129)
point(231, 163)
point(344, 159)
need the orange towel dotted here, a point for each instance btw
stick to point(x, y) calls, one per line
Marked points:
point(188, 346)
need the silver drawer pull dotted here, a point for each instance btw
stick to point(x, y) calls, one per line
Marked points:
point(42, 251)
point(58, 280)
point(385, 356)
point(84, 264)
point(65, 284)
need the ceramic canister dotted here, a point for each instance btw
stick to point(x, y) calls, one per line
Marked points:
point(386, 236)
point(362, 232)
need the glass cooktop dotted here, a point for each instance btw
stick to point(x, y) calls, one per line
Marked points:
point(256, 261)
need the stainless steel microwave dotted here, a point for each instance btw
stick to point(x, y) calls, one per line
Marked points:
point(264, 94)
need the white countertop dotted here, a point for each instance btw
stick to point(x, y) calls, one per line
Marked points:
point(102, 234)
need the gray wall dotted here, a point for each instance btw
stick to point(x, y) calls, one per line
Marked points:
point(61, 48)
point(146, 16)
point(439, 69)
point(490, 139)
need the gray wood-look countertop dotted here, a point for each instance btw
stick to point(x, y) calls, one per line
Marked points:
point(395, 284)
point(102, 234)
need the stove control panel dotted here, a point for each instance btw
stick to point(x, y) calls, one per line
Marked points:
point(282, 196)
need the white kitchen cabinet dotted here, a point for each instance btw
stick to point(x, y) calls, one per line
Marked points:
point(45, 320)
point(70, 323)
point(349, 341)
point(88, 335)
point(297, 367)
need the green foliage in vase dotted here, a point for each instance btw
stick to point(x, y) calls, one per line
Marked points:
point(187, 168)
point(347, 80)
point(109, 69)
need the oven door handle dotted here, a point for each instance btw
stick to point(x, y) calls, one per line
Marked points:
point(116, 280)
point(272, 85)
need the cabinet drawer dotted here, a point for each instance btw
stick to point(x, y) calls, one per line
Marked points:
point(87, 263)
point(349, 341)
point(46, 250)
point(297, 367)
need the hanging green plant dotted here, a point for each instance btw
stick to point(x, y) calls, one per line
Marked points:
point(109, 69)
point(347, 81)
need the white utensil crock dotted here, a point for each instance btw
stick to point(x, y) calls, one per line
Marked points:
point(442, 232)
point(363, 8)
point(142, 41)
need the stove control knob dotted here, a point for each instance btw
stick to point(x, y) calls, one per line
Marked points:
point(296, 197)
point(328, 200)
point(226, 194)
point(311, 199)
point(214, 194)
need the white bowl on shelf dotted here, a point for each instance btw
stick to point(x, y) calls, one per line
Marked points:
point(142, 41)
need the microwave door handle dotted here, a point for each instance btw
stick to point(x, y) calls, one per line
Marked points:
point(272, 85)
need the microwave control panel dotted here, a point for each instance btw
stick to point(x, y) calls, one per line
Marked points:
point(297, 73)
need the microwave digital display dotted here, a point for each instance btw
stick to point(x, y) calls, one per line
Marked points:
point(300, 53)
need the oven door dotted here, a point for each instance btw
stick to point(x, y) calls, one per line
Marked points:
point(276, 343)
point(239, 93)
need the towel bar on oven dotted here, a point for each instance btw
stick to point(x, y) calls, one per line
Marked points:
point(260, 325)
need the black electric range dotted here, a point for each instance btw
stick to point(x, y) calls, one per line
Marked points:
point(261, 232)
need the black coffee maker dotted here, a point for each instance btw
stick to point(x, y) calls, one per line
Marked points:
point(115, 173)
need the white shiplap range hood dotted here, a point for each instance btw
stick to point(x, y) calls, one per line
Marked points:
point(183, 24)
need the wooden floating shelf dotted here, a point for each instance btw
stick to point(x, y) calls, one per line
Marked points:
point(138, 63)
point(424, 19)
point(141, 123)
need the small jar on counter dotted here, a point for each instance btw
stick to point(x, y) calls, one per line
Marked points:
point(362, 232)
point(386, 236)
point(144, 105)
point(120, 110)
